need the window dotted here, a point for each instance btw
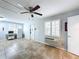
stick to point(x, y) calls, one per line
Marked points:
point(47, 28)
point(52, 28)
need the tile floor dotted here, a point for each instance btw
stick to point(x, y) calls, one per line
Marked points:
point(28, 49)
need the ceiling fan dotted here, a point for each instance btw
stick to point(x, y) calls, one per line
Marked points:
point(32, 10)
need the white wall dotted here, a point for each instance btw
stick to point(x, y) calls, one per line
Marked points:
point(39, 24)
point(37, 34)
point(6, 26)
point(63, 17)
point(9, 24)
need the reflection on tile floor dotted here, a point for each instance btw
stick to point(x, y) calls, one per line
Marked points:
point(28, 49)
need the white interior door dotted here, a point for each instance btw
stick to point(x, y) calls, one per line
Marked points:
point(31, 30)
point(73, 34)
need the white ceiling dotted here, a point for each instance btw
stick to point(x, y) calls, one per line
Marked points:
point(11, 9)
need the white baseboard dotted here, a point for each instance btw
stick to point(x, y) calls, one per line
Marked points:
point(41, 42)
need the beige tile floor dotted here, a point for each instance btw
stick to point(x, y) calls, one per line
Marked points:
point(28, 49)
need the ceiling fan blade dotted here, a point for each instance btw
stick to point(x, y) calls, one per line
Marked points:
point(24, 12)
point(35, 8)
point(37, 13)
point(26, 8)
